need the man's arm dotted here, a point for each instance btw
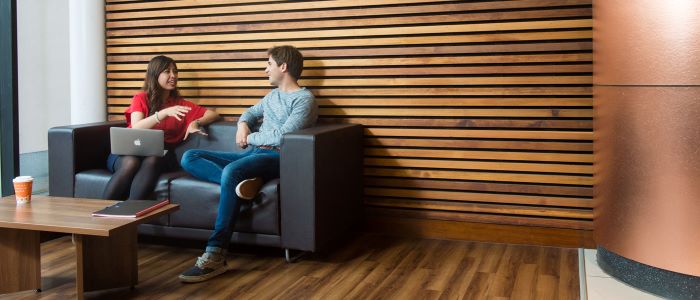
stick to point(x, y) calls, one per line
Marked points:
point(303, 115)
point(242, 135)
point(248, 118)
point(253, 113)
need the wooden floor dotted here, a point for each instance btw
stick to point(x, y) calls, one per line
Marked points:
point(369, 267)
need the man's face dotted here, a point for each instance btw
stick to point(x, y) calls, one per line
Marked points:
point(274, 72)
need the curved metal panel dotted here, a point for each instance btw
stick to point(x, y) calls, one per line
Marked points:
point(646, 42)
point(647, 175)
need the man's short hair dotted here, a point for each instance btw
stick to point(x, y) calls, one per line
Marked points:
point(288, 55)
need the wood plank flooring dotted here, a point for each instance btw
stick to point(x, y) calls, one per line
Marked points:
point(368, 267)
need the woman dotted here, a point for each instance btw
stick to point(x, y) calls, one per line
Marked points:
point(158, 106)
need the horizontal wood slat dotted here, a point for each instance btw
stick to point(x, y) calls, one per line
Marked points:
point(377, 72)
point(478, 208)
point(367, 32)
point(499, 134)
point(478, 165)
point(520, 189)
point(452, 225)
point(353, 42)
point(374, 92)
point(454, 112)
point(354, 22)
point(476, 111)
point(448, 81)
point(169, 4)
point(483, 197)
point(545, 124)
point(480, 176)
point(370, 62)
point(586, 146)
point(483, 155)
point(404, 102)
point(268, 8)
point(416, 51)
point(436, 112)
point(462, 123)
point(199, 3)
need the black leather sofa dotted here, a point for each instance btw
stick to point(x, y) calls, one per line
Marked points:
point(316, 200)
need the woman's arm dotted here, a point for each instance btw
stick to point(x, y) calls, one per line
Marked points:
point(209, 117)
point(137, 120)
point(196, 126)
point(177, 112)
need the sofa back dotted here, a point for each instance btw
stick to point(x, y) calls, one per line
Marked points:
point(221, 137)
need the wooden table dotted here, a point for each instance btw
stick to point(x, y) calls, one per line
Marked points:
point(105, 247)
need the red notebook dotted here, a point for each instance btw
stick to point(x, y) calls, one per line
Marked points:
point(130, 208)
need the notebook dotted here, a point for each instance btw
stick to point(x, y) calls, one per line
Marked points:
point(138, 142)
point(130, 208)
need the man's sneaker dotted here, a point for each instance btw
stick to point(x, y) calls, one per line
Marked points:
point(206, 267)
point(249, 188)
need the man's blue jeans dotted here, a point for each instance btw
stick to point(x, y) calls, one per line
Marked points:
point(228, 169)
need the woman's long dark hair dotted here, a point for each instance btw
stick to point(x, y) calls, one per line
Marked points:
point(154, 91)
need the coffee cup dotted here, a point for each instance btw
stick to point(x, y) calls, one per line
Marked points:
point(23, 188)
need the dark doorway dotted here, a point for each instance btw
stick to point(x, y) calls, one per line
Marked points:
point(9, 134)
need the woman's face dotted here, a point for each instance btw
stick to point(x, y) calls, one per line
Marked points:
point(168, 78)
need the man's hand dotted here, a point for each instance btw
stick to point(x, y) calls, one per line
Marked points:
point(242, 135)
point(192, 128)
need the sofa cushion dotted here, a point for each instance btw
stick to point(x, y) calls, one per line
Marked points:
point(199, 202)
point(91, 183)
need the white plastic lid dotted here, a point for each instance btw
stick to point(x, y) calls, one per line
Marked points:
point(23, 179)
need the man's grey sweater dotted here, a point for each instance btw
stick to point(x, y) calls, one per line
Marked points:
point(282, 113)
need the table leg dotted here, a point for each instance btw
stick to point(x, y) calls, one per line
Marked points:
point(106, 262)
point(20, 263)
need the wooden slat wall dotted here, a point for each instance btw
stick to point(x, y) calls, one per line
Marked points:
point(475, 111)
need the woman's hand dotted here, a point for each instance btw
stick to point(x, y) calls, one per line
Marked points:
point(242, 135)
point(176, 111)
point(192, 128)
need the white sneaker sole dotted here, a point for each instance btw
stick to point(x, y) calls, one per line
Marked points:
point(195, 279)
point(238, 190)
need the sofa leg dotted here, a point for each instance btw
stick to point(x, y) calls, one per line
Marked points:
point(293, 258)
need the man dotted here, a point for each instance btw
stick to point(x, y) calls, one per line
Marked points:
point(287, 108)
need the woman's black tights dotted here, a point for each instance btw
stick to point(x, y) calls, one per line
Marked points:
point(137, 175)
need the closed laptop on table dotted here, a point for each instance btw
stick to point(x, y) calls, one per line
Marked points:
point(138, 142)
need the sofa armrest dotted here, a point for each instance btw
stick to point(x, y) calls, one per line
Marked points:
point(320, 185)
point(76, 148)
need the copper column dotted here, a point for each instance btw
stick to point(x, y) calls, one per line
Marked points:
point(647, 131)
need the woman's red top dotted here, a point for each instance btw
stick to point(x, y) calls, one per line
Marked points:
point(173, 130)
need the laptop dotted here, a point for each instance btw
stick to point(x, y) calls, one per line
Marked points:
point(138, 142)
